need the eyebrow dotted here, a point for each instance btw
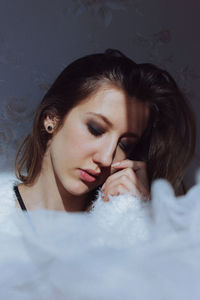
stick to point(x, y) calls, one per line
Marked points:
point(128, 134)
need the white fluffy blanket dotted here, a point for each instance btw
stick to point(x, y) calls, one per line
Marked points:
point(122, 249)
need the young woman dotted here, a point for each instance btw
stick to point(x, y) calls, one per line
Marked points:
point(105, 122)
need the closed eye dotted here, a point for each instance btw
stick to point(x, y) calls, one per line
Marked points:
point(95, 130)
point(127, 147)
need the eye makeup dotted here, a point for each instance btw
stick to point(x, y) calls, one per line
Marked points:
point(95, 129)
point(127, 146)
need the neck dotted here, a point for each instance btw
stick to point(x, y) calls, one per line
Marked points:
point(48, 193)
point(45, 194)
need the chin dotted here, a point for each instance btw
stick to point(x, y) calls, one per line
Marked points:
point(77, 188)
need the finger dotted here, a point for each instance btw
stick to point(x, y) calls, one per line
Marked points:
point(128, 175)
point(128, 184)
point(125, 174)
point(134, 187)
point(118, 189)
point(128, 163)
point(139, 168)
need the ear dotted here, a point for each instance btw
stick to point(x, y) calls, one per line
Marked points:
point(50, 121)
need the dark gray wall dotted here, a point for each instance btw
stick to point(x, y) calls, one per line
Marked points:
point(40, 37)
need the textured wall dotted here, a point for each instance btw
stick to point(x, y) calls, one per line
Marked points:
point(38, 38)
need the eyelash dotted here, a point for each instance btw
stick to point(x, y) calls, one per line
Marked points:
point(125, 148)
point(97, 131)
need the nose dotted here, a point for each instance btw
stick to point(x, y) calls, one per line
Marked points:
point(105, 153)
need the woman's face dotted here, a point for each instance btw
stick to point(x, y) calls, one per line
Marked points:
point(99, 131)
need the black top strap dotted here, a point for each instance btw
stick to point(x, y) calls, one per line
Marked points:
point(19, 198)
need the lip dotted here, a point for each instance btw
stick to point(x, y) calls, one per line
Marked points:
point(86, 176)
point(91, 172)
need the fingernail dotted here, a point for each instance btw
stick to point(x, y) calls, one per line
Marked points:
point(103, 197)
point(116, 164)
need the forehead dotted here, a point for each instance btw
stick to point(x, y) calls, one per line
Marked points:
point(125, 113)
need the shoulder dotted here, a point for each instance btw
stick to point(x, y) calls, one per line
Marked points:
point(7, 197)
point(7, 181)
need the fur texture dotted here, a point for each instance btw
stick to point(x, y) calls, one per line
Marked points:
point(123, 248)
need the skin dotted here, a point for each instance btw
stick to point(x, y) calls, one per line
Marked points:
point(86, 141)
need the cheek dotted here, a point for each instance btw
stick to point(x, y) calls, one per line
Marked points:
point(78, 142)
point(75, 143)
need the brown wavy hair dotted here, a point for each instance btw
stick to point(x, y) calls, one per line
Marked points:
point(168, 143)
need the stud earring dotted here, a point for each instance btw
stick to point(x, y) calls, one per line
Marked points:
point(50, 128)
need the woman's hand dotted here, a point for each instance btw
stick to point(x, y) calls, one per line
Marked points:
point(131, 178)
